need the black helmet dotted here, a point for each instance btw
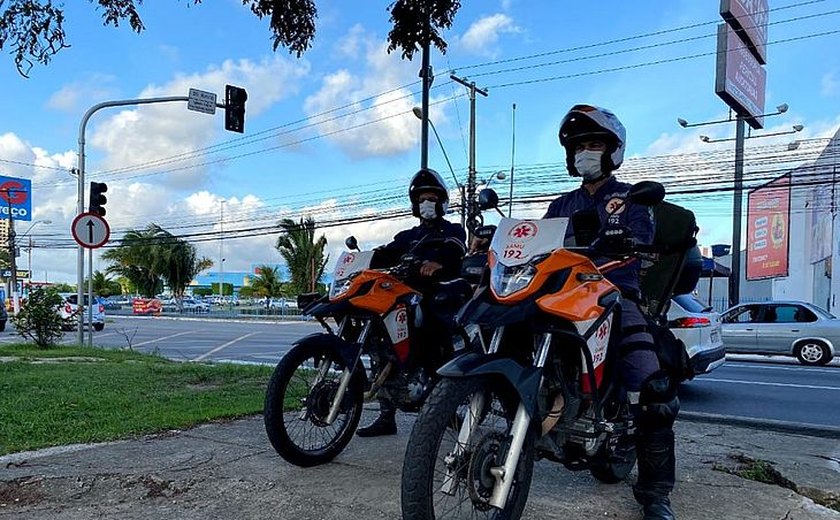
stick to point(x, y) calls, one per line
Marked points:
point(585, 122)
point(428, 180)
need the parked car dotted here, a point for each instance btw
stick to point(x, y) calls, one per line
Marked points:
point(785, 328)
point(699, 328)
point(70, 306)
point(192, 305)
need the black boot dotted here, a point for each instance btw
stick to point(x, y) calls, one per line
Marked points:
point(657, 462)
point(385, 424)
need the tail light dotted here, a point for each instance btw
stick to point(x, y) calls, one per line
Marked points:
point(101, 308)
point(68, 309)
point(689, 323)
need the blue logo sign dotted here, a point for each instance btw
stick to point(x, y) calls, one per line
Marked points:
point(15, 198)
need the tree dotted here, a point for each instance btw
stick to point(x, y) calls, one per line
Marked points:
point(267, 282)
point(152, 256)
point(62, 287)
point(38, 319)
point(104, 286)
point(303, 253)
point(34, 32)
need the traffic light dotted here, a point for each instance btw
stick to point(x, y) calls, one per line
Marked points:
point(235, 98)
point(97, 199)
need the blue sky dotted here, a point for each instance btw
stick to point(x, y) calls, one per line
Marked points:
point(329, 169)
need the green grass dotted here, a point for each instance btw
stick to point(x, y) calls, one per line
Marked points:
point(122, 394)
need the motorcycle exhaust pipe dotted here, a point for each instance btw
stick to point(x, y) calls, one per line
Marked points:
point(554, 415)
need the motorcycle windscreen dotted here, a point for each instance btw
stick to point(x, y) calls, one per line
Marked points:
point(348, 265)
point(518, 245)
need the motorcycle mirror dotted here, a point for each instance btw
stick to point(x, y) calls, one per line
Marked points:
point(487, 199)
point(647, 193)
point(351, 243)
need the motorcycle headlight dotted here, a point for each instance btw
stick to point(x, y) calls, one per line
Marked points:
point(507, 280)
point(339, 287)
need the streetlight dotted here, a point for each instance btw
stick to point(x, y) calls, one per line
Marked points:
point(29, 249)
point(796, 128)
point(418, 113)
point(737, 197)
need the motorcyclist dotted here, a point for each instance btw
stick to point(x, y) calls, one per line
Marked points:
point(439, 246)
point(594, 140)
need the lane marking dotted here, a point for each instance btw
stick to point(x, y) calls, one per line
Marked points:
point(757, 383)
point(802, 368)
point(226, 345)
point(161, 339)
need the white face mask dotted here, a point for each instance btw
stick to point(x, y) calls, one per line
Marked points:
point(588, 164)
point(428, 210)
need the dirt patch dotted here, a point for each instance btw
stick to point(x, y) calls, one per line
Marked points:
point(21, 492)
point(46, 361)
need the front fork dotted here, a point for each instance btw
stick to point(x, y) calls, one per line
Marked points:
point(347, 375)
point(504, 474)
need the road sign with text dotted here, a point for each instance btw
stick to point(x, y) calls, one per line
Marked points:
point(90, 230)
point(201, 101)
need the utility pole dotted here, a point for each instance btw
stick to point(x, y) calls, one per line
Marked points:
point(221, 242)
point(737, 205)
point(428, 77)
point(12, 250)
point(472, 209)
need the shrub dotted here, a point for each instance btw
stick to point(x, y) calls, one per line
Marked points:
point(39, 320)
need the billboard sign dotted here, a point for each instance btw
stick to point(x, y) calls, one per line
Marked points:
point(15, 198)
point(768, 227)
point(740, 80)
point(749, 18)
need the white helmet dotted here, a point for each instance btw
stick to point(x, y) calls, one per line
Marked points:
point(590, 122)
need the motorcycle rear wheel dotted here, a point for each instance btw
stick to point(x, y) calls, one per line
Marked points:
point(297, 405)
point(435, 438)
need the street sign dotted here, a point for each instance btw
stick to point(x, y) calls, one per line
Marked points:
point(201, 101)
point(90, 230)
point(21, 273)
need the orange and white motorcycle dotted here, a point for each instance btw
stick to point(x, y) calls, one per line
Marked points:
point(544, 387)
point(314, 398)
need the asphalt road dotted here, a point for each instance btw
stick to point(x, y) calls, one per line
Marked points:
point(746, 387)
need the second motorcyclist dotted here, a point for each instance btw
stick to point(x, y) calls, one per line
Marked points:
point(438, 246)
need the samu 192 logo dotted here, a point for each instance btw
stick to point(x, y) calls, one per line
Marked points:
point(524, 231)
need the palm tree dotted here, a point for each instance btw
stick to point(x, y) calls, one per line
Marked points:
point(303, 253)
point(104, 286)
point(151, 256)
point(267, 282)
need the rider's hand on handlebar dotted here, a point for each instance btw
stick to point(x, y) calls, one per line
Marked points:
point(429, 268)
point(479, 245)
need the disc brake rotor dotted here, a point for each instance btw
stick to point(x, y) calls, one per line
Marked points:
point(487, 454)
point(319, 400)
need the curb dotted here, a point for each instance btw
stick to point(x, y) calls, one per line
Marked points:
point(267, 321)
point(807, 429)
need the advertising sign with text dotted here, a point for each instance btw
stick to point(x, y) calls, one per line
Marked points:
point(740, 79)
point(750, 18)
point(768, 226)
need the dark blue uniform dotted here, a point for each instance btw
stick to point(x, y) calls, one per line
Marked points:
point(610, 201)
point(438, 241)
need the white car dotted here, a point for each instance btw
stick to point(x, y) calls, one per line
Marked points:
point(69, 308)
point(699, 328)
point(190, 305)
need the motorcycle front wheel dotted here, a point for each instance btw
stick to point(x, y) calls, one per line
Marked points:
point(446, 479)
point(297, 406)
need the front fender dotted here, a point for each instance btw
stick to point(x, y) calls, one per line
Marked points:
point(525, 380)
point(348, 352)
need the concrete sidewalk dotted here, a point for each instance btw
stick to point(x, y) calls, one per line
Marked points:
point(229, 470)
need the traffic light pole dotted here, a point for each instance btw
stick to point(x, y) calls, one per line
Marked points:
point(80, 197)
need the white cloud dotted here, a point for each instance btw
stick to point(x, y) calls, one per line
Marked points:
point(830, 84)
point(152, 132)
point(482, 36)
point(380, 126)
point(69, 97)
